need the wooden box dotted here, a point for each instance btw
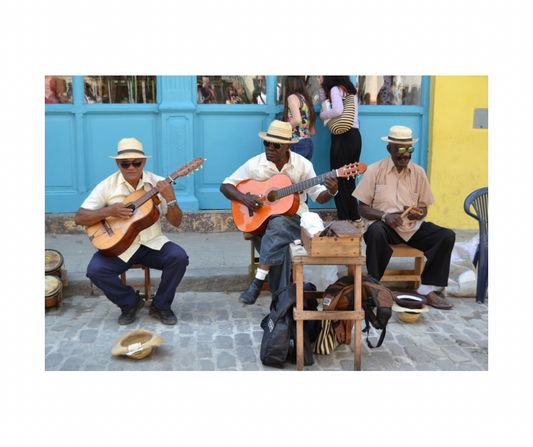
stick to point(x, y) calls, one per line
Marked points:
point(344, 240)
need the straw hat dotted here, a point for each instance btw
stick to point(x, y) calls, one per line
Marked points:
point(130, 148)
point(136, 344)
point(407, 314)
point(279, 132)
point(400, 135)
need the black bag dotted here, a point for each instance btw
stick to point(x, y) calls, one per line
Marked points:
point(376, 301)
point(279, 338)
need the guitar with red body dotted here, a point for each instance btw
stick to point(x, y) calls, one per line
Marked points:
point(113, 236)
point(279, 196)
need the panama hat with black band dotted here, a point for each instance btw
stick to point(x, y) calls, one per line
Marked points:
point(400, 135)
point(279, 132)
point(130, 148)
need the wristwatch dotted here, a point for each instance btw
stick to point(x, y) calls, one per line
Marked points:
point(383, 218)
point(172, 203)
point(333, 195)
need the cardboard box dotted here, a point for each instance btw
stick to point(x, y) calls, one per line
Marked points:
point(344, 239)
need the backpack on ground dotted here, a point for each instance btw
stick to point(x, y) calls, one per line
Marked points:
point(376, 302)
point(279, 338)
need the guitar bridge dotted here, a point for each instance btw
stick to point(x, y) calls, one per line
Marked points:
point(107, 228)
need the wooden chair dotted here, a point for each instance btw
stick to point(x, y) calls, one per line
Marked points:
point(414, 275)
point(147, 285)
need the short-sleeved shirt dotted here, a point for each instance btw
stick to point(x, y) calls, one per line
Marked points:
point(387, 190)
point(115, 189)
point(298, 169)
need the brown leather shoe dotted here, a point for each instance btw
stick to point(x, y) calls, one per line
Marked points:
point(434, 301)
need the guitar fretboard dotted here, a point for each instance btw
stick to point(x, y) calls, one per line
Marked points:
point(297, 187)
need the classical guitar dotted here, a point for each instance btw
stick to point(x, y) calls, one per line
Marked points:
point(113, 236)
point(279, 196)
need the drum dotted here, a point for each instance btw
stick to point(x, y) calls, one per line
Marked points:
point(53, 261)
point(53, 290)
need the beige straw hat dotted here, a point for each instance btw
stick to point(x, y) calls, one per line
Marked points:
point(136, 344)
point(400, 135)
point(279, 132)
point(130, 148)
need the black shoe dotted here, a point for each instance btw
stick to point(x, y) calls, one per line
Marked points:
point(251, 294)
point(166, 316)
point(128, 316)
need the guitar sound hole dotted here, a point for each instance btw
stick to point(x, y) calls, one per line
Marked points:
point(272, 196)
point(131, 206)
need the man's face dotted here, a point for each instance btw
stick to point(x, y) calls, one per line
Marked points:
point(132, 169)
point(261, 82)
point(276, 155)
point(400, 160)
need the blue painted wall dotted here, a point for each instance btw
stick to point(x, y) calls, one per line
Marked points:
point(79, 138)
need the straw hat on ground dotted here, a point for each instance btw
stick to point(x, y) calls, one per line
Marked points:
point(400, 135)
point(412, 307)
point(130, 148)
point(136, 344)
point(279, 132)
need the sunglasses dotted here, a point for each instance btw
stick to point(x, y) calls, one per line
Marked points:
point(277, 146)
point(126, 164)
point(401, 150)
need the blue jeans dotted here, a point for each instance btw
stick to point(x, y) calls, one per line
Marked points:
point(304, 147)
point(105, 273)
point(273, 248)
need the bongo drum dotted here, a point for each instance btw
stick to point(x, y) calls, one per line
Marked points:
point(53, 261)
point(53, 290)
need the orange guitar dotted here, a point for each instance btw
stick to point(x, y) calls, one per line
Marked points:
point(113, 236)
point(279, 196)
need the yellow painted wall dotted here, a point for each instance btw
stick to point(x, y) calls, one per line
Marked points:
point(458, 159)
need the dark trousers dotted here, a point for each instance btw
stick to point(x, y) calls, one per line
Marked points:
point(273, 248)
point(436, 243)
point(346, 149)
point(105, 273)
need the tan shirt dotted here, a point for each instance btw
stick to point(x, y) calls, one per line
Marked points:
point(298, 169)
point(115, 189)
point(387, 190)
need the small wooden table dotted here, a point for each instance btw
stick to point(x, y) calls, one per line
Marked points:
point(299, 259)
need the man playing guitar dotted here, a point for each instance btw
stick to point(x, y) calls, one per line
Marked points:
point(281, 230)
point(150, 247)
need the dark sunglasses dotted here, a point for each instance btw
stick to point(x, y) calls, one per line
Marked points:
point(402, 150)
point(277, 146)
point(126, 164)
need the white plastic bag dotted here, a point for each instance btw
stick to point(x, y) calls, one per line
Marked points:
point(463, 277)
point(321, 275)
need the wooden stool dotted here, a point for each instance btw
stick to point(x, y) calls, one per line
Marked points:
point(355, 262)
point(254, 262)
point(147, 285)
point(404, 251)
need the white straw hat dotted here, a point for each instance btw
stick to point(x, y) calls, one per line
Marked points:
point(130, 148)
point(279, 132)
point(400, 135)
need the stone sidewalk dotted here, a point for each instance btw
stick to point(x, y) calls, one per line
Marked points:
point(215, 332)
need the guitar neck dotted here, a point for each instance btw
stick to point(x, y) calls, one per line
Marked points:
point(297, 187)
point(149, 194)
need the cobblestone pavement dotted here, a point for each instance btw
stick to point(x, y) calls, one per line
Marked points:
point(217, 333)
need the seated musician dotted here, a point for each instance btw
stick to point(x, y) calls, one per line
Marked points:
point(281, 230)
point(150, 248)
point(387, 190)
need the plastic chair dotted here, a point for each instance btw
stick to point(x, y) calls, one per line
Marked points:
point(479, 201)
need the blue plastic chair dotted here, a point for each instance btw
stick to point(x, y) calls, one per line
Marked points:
point(479, 201)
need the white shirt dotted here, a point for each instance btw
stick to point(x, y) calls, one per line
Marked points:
point(298, 169)
point(115, 189)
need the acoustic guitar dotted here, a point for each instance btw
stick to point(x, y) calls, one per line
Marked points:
point(113, 236)
point(279, 196)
